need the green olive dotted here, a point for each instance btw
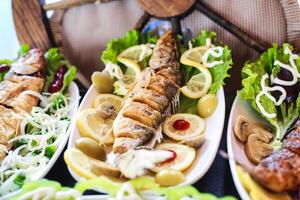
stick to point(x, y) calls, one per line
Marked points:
point(207, 105)
point(91, 148)
point(103, 82)
point(169, 177)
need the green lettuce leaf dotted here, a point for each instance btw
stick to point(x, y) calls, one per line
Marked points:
point(23, 50)
point(252, 73)
point(112, 188)
point(31, 186)
point(55, 60)
point(69, 76)
point(99, 183)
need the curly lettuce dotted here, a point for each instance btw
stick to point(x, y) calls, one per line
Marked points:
point(252, 73)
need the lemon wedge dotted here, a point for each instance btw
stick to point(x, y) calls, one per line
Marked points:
point(183, 157)
point(137, 52)
point(79, 163)
point(199, 84)
point(183, 126)
point(91, 124)
point(133, 66)
point(192, 57)
point(114, 100)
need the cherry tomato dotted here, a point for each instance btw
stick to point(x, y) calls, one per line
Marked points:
point(181, 124)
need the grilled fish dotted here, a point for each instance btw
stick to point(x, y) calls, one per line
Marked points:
point(280, 171)
point(24, 75)
point(153, 97)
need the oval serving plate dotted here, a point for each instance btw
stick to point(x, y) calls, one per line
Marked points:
point(74, 94)
point(205, 154)
point(234, 147)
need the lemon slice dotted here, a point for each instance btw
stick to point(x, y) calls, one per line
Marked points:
point(183, 126)
point(185, 156)
point(198, 85)
point(133, 67)
point(115, 100)
point(79, 163)
point(192, 57)
point(91, 124)
point(137, 53)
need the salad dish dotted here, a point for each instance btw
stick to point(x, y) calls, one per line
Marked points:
point(143, 188)
point(37, 101)
point(152, 112)
point(263, 130)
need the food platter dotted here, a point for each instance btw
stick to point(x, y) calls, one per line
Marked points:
point(205, 154)
point(263, 127)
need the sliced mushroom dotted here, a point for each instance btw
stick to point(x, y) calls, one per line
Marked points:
point(195, 142)
point(257, 146)
point(101, 168)
point(240, 129)
point(243, 128)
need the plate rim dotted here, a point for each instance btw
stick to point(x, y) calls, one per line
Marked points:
point(232, 164)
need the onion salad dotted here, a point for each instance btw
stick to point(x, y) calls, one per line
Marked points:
point(41, 133)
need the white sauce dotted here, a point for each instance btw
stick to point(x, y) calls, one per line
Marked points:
point(265, 91)
point(283, 82)
point(216, 52)
point(292, 59)
point(130, 163)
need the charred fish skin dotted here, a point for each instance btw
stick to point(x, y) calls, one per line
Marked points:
point(25, 74)
point(150, 99)
point(280, 171)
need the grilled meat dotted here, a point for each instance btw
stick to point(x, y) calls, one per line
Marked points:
point(152, 98)
point(13, 101)
point(280, 171)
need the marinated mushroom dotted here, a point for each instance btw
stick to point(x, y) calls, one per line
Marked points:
point(194, 141)
point(240, 129)
point(243, 128)
point(258, 145)
point(101, 168)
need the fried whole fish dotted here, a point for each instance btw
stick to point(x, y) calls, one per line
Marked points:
point(154, 96)
point(280, 171)
point(24, 74)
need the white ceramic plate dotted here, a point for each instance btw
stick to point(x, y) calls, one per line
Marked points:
point(234, 147)
point(74, 94)
point(205, 154)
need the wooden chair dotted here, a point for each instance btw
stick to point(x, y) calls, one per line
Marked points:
point(34, 28)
